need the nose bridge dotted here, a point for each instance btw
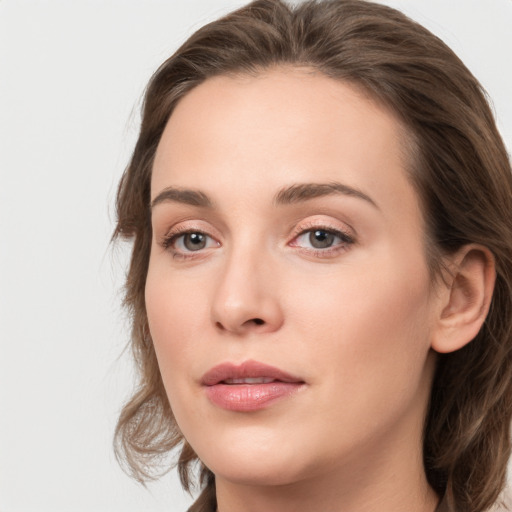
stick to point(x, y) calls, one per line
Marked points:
point(245, 297)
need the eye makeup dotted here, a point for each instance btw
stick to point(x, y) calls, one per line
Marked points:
point(316, 238)
point(321, 239)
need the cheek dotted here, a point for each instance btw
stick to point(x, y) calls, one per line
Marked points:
point(365, 337)
point(370, 323)
point(175, 302)
point(177, 316)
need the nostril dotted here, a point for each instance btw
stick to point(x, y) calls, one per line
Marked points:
point(246, 325)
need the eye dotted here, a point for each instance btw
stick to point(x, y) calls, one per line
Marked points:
point(192, 241)
point(189, 241)
point(322, 240)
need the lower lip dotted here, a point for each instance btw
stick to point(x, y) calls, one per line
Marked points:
point(249, 397)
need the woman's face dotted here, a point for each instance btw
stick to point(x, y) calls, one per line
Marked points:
point(288, 294)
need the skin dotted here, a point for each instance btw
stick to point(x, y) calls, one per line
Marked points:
point(355, 321)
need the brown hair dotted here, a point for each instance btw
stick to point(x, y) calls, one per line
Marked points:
point(460, 169)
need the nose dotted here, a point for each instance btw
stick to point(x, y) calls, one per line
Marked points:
point(246, 297)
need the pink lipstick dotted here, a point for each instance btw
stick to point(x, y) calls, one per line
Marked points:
point(248, 387)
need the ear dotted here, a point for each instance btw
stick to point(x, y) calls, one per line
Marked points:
point(465, 302)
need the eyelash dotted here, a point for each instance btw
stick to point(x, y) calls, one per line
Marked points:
point(345, 240)
point(171, 238)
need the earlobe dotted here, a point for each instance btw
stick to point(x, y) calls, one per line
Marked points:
point(466, 301)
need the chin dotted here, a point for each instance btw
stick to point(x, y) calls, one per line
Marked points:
point(255, 456)
point(252, 472)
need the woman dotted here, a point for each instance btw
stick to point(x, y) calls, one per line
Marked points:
point(320, 285)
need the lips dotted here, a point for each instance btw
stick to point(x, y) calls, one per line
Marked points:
point(247, 370)
point(249, 386)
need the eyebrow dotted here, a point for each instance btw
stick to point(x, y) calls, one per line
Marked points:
point(183, 196)
point(306, 191)
point(296, 193)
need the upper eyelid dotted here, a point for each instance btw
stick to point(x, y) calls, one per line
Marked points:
point(191, 226)
point(168, 243)
point(343, 235)
point(167, 239)
point(346, 230)
point(297, 228)
point(345, 238)
point(324, 227)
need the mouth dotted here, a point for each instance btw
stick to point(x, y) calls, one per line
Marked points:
point(249, 380)
point(248, 387)
point(249, 372)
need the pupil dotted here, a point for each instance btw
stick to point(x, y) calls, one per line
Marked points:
point(194, 241)
point(321, 239)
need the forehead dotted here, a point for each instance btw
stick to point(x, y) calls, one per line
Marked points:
point(255, 134)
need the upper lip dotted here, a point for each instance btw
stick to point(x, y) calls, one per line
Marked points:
point(246, 369)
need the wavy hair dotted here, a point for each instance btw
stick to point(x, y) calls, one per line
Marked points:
point(459, 168)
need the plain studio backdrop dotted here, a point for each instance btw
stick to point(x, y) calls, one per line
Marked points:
point(72, 73)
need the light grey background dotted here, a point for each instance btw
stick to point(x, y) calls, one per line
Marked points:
point(71, 76)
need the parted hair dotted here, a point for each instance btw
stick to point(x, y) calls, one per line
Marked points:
point(460, 170)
